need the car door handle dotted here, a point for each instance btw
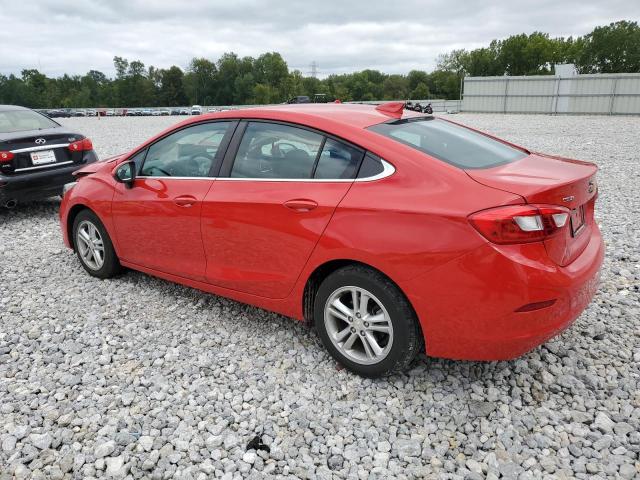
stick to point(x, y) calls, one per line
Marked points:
point(301, 204)
point(184, 201)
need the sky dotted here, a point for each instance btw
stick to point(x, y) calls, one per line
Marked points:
point(394, 36)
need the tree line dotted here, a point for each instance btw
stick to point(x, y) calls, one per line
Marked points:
point(234, 80)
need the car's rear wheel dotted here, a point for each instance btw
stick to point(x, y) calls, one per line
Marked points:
point(93, 246)
point(366, 322)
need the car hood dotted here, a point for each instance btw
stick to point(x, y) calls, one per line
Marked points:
point(97, 166)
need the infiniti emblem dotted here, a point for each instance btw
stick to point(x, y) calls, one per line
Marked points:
point(40, 141)
point(568, 199)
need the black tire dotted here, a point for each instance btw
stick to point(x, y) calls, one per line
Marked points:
point(111, 265)
point(407, 340)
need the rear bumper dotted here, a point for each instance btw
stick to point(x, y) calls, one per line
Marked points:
point(39, 184)
point(467, 308)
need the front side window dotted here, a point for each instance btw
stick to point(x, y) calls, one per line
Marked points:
point(451, 143)
point(23, 120)
point(271, 150)
point(190, 152)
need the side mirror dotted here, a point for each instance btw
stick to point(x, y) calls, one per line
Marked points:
point(126, 173)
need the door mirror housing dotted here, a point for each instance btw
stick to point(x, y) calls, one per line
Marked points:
point(126, 173)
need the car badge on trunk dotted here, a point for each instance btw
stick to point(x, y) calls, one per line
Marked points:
point(568, 199)
point(40, 141)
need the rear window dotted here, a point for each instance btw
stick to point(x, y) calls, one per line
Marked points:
point(449, 142)
point(23, 120)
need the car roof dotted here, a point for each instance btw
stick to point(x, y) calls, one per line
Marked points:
point(353, 115)
point(4, 108)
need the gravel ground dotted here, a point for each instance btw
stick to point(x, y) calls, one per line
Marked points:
point(137, 377)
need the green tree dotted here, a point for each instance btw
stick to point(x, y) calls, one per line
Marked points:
point(421, 92)
point(172, 92)
point(614, 48)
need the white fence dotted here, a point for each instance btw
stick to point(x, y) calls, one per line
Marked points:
point(608, 94)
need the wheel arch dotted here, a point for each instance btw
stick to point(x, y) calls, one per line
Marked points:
point(325, 269)
point(71, 217)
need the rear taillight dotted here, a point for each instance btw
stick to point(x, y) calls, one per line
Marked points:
point(81, 145)
point(6, 157)
point(520, 223)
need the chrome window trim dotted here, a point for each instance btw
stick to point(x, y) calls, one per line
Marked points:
point(387, 171)
point(166, 177)
point(39, 167)
point(42, 147)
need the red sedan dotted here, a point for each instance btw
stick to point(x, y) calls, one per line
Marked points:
point(390, 231)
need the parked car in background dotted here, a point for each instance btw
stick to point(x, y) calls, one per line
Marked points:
point(175, 111)
point(91, 113)
point(37, 155)
point(58, 113)
point(165, 112)
point(155, 112)
point(300, 99)
point(212, 110)
point(388, 230)
point(196, 110)
point(80, 113)
point(185, 111)
point(110, 113)
point(146, 112)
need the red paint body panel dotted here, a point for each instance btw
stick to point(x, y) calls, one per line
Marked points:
point(259, 241)
point(256, 244)
point(157, 224)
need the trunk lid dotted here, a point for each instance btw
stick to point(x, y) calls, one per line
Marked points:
point(545, 179)
point(25, 143)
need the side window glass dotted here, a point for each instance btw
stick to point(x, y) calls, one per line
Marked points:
point(271, 150)
point(337, 161)
point(371, 166)
point(138, 158)
point(190, 152)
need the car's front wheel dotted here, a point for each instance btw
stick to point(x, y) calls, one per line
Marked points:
point(366, 322)
point(93, 246)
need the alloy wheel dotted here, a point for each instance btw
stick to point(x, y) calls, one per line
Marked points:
point(90, 245)
point(358, 325)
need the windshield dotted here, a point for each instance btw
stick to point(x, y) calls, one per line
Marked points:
point(449, 142)
point(23, 120)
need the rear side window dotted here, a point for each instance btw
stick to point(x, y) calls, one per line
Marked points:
point(337, 161)
point(449, 142)
point(271, 150)
point(23, 120)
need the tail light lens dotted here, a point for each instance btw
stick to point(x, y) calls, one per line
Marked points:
point(520, 223)
point(6, 157)
point(81, 145)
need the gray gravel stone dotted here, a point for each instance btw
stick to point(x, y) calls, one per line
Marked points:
point(105, 449)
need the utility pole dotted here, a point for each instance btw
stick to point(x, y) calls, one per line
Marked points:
point(314, 69)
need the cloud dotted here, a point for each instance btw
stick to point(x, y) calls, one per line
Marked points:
point(341, 36)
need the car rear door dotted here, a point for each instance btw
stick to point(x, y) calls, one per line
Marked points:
point(157, 221)
point(276, 193)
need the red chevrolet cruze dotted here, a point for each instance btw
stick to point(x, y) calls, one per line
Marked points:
point(390, 231)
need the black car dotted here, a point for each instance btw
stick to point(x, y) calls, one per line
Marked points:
point(58, 113)
point(300, 99)
point(37, 155)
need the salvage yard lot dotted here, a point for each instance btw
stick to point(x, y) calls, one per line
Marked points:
point(137, 376)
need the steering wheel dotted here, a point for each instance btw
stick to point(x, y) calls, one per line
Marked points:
point(277, 149)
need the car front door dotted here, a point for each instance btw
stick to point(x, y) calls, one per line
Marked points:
point(276, 193)
point(157, 220)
